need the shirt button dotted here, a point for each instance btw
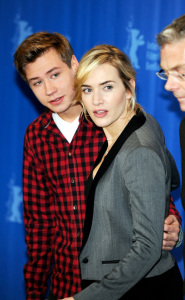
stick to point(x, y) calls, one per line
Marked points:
point(70, 154)
point(78, 233)
point(75, 207)
point(72, 180)
point(85, 260)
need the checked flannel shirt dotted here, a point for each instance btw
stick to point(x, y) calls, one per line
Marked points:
point(54, 175)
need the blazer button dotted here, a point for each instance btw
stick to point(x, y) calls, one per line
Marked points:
point(85, 260)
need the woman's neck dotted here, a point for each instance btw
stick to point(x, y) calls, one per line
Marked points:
point(112, 133)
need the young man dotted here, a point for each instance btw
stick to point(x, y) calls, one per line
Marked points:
point(172, 43)
point(60, 149)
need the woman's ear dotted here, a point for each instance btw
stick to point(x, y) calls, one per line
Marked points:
point(133, 83)
point(130, 92)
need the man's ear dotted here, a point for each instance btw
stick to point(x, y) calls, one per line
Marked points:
point(74, 63)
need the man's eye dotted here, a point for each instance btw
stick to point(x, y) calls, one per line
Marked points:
point(55, 75)
point(37, 83)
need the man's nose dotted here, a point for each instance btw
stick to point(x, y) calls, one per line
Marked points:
point(171, 83)
point(50, 88)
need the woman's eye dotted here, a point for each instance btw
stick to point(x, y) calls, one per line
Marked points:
point(108, 87)
point(86, 90)
point(182, 76)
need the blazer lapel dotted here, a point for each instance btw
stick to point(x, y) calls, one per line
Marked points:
point(135, 123)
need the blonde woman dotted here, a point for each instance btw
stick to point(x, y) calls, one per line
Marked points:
point(128, 191)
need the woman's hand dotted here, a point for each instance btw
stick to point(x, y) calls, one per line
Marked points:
point(69, 298)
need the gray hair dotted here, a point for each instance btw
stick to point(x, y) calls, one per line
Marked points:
point(173, 32)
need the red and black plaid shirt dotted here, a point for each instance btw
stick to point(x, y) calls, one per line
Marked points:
point(54, 175)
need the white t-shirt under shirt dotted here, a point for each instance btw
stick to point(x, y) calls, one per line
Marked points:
point(66, 128)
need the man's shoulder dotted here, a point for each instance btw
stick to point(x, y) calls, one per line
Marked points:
point(182, 133)
point(41, 121)
point(182, 124)
point(37, 127)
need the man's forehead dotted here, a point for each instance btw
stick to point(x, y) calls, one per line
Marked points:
point(172, 56)
point(44, 64)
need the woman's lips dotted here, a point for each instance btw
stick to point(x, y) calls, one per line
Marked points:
point(100, 113)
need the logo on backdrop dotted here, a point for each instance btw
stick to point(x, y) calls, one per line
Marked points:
point(14, 203)
point(22, 30)
point(152, 56)
point(135, 39)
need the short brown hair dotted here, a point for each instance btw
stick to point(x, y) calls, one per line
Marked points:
point(173, 32)
point(37, 44)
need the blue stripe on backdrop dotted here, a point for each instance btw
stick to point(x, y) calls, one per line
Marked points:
point(130, 25)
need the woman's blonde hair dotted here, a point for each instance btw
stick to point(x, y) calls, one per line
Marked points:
point(106, 54)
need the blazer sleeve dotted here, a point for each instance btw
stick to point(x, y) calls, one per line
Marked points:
point(144, 175)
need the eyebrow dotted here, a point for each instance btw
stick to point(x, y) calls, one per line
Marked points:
point(102, 83)
point(48, 72)
point(175, 67)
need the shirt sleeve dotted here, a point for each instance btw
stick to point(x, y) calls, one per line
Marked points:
point(39, 223)
point(174, 211)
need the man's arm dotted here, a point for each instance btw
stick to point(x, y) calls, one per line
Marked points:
point(172, 227)
point(38, 220)
point(174, 211)
point(182, 144)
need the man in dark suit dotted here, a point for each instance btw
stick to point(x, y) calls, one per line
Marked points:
point(172, 43)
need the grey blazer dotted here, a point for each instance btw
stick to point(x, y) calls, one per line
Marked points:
point(127, 203)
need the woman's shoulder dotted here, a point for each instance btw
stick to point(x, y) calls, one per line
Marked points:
point(151, 130)
point(149, 136)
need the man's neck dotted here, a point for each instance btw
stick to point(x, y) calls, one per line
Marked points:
point(71, 114)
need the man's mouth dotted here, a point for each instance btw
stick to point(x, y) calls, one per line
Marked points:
point(57, 100)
